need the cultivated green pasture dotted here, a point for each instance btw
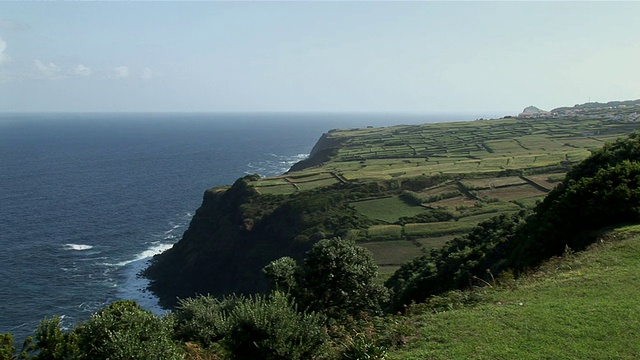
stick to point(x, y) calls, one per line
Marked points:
point(437, 228)
point(487, 183)
point(465, 147)
point(433, 242)
point(510, 193)
point(388, 209)
point(283, 189)
point(547, 181)
point(393, 252)
point(308, 185)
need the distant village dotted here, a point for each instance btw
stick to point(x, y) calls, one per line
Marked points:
point(623, 111)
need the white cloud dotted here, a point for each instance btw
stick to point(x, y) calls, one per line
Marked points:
point(81, 70)
point(121, 72)
point(3, 57)
point(49, 71)
point(12, 25)
point(147, 74)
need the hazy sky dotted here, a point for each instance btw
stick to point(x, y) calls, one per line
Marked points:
point(316, 56)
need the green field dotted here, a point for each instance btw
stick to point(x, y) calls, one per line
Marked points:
point(584, 306)
point(468, 147)
point(437, 228)
point(393, 252)
point(388, 209)
point(434, 242)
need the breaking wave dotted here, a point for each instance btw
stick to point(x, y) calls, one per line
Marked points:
point(77, 247)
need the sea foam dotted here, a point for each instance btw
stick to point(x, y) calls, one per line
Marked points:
point(77, 247)
point(134, 286)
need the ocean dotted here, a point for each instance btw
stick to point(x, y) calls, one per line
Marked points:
point(87, 199)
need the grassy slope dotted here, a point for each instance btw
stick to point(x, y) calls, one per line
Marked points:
point(583, 306)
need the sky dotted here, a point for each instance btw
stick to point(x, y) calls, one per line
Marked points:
point(337, 56)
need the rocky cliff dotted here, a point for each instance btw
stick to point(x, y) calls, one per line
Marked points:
point(326, 146)
point(237, 231)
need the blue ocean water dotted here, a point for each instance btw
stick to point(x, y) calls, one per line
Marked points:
point(87, 199)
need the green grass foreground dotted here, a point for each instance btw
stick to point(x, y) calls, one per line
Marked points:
point(580, 306)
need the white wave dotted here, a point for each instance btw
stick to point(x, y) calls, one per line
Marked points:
point(130, 284)
point(135, 286)
point(173, 228)
point(77, 247)
point(145, 255)
point(272, 167)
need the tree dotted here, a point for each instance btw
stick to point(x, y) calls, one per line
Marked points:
point(282, 273)
point(337, 278)
point(52, 343)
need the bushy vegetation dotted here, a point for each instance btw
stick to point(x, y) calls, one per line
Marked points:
point(601, 191)
point(259, 327)
point(121, 331)
point(462, 262)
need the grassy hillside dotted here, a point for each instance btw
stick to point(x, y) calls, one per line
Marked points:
point(580, 306)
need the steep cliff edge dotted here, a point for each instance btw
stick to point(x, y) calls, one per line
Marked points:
point(322, 151)
point(202, 262)
point(237, 231)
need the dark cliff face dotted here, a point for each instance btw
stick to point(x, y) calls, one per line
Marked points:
point(202, 261)
point(322, 151)
point(236, 232)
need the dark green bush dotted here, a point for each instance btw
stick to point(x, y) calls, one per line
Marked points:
point(271, 328)
point(337, 279)
point(458, 264)
point(260, 327)
point(123, 330)
point(202, 319)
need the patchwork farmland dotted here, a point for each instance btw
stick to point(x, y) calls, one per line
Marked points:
point(485, 167)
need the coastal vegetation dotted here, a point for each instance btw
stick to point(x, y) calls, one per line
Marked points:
point(401, 243)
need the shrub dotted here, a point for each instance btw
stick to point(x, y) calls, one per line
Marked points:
point(458, 264)
point(272, 328)
point(203, 319)
point(123, 330)
point(260, 327)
